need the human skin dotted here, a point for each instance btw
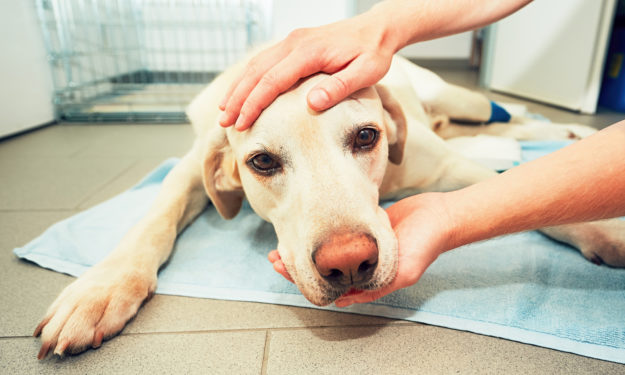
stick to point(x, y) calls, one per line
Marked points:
point(581, 182)
point(357, 52)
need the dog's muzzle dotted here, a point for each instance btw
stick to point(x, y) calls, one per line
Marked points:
point(347, 259)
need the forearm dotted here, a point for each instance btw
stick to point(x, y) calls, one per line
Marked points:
point(412, 21)
point(581, 182)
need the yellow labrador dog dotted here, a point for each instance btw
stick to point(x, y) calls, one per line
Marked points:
point(318, 178)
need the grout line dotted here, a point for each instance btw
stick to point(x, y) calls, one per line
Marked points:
point(263, 369)
point(233, 330)
point(16, 337)
point(278, 329)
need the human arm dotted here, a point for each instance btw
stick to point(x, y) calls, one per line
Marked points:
point(356, 51)
point(582, 182)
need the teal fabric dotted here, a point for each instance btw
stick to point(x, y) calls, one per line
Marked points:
point(522, 287)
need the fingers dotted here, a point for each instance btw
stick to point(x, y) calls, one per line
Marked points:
point(241, 87)
point(411, 266)
point(276, 81)
point(362, 72)
point(255, 93)
point(364, 297)
point(274, 258)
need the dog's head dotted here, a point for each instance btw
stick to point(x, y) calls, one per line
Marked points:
point(315, 177)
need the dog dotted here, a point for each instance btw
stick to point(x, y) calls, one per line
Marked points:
point(318, 178)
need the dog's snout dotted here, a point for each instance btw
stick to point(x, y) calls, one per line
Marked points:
point(347, 259)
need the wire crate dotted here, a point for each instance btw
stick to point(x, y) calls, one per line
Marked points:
point(142, 60)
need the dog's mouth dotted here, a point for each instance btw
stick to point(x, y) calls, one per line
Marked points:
point(353, 292)
point(331, 294)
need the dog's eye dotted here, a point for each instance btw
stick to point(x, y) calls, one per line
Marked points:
point(365, 138)
point(264, 163)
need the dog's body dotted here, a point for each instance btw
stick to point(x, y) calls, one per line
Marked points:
point(317, 177)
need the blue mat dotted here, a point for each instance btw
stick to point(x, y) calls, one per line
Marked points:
point(522, 287)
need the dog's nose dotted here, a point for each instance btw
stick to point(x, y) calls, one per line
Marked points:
point(347, 259)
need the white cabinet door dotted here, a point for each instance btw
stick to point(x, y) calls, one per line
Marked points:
point(551, 51)
point(26, 89)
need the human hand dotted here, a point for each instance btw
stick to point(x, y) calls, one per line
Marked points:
point(356, 51)
point(420, 223)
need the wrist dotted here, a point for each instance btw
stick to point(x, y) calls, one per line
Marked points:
point(441, 222)
point(453, 228)
point(392, 36)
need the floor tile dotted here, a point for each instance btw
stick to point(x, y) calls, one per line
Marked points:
point(26, 290)
point(188, 353)
point(47, 174)
point(142, 140)
point(54, 183)
point(124, 181)
point(177, 314)
point(415, 349)
point(54, 141)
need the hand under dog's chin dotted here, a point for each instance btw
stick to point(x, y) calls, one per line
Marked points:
point(332, 294)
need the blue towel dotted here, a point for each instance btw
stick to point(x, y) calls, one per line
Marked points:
point(522, 287)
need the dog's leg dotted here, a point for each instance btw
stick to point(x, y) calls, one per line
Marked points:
point(445, 103)
point(523, 129)
point(437, 96)
point(599, 241)
point(99, 303)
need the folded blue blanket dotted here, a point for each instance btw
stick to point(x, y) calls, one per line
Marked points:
point(522, 287)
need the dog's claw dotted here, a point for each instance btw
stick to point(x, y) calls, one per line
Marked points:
point(596, 259)
point(61, 347)
point(43, 352)
point(97, 339)
point(38, 330)
point(40, 326)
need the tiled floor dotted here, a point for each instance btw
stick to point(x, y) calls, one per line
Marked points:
point(52, 173)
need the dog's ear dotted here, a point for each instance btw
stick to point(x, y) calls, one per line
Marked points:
point(395, 122)
point(220, 174)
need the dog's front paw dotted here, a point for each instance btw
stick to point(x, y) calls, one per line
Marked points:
point(93, 308)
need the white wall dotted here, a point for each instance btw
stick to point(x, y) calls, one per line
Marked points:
point(288, 15)
point(451, 47)
point(26, 85)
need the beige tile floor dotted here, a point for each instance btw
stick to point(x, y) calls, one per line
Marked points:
point(52, 173)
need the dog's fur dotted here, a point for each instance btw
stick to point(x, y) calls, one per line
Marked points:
point(320, 190)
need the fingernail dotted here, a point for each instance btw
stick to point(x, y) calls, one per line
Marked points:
point(224, 120)
point(318, 99)
point(240, 123)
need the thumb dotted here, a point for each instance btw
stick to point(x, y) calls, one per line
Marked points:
point(341, 84)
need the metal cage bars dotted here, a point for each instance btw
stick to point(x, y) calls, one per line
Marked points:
point(141, 60)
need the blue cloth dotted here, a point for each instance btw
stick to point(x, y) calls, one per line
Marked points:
point(522, 287)
point(498, 113)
